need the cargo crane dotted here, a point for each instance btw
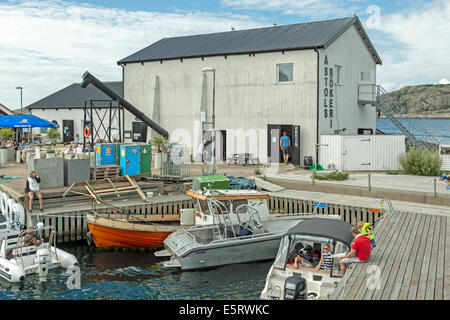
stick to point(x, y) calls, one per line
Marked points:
point(90, 79)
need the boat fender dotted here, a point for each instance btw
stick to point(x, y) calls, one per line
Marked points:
point(3, 205)
point(19, 215)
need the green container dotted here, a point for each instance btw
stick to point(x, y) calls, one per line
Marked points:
point(211, 182)
point(146, 158)
point(118, 144)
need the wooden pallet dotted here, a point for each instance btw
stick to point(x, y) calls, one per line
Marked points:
point(104, 172)
point(113, 189)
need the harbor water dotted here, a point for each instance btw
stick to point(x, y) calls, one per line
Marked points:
point(439, 129)
point(138, 275)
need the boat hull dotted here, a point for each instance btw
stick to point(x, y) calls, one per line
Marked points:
point(241, 251)
point(108, 233)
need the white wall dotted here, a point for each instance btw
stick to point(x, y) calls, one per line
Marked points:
point(349, 52)
point(248, 97)
point(362, 152)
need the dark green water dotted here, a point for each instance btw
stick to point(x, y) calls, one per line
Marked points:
point(137, 275)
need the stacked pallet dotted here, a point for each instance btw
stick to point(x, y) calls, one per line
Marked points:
point(104, 172)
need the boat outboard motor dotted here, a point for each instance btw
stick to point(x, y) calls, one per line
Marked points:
point(295, 288)
point(42, 259)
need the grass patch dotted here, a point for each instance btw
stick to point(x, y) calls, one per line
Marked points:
point(337, 176)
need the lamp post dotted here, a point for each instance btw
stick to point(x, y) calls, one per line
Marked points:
point(20, 88)
point(21, 111)
point(213, 153)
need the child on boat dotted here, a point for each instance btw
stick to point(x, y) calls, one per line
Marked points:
point(367, 230)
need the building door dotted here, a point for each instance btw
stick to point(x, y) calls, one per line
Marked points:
point(296, 146)
point(68, 131)
point(357, 153)
point(273, 143)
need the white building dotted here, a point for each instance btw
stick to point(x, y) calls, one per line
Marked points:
point(66, 108)
point(300, 78)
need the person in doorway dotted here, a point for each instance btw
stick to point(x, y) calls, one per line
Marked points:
point(77, 138)
point(360, 252)
point(33, 189)
point(285, 144)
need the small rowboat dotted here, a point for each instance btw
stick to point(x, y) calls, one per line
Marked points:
point(108, 232)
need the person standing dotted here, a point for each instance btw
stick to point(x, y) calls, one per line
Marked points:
point(33, 188)
point(285, 144)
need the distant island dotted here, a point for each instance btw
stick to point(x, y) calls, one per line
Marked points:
point(423, 101)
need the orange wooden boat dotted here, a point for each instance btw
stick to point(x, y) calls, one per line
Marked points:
point(108, 231)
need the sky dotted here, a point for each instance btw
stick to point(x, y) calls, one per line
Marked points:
point(47, 45)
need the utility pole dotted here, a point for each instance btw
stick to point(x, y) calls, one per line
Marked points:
point(213, 151)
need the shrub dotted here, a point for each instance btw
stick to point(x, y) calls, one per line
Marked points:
point(7, 133)
point(337, 176)
point(422, 162)
point(53, 134)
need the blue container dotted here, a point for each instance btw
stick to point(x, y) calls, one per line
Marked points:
point(105, 154)
point(130, 157)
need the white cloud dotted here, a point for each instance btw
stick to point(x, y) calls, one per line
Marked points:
point(414, 44)
point(444, 81)
point(304, 8)
point(47, 45)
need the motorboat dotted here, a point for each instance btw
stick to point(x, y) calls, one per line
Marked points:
point(18, 259)
point(285, 282)
point(122, 231)
point(231, 226)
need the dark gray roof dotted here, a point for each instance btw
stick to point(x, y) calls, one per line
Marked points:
point(335, 229)
point(74, 96)
point(309, 35)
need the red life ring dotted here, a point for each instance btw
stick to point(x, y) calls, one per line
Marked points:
point(87, 132)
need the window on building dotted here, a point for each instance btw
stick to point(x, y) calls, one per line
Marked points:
point(338, 74)
point(285, 72)
point(43, 130)
point(366, 76)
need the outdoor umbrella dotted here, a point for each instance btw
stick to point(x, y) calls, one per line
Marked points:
point(25, 121)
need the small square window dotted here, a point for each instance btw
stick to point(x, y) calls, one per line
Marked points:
point(285, 72)
point(366, 76)
point(338, 74)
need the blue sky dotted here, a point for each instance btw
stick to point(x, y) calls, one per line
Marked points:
point(46, 45)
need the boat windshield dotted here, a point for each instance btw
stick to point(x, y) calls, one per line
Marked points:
point(280, 260)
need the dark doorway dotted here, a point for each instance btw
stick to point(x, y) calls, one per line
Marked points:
point(68, 131)
point(275, 132)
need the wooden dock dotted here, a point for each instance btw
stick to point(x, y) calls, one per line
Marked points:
point(411, 261)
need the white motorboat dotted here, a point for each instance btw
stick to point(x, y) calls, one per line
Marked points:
point(284, 282)
point(231, 226)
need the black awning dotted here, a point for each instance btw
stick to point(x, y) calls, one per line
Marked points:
point(322, 227)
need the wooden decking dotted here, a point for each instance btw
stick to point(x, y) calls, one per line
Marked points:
point(411, 262)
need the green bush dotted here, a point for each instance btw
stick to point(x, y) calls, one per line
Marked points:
point(53, 134)
point(337, 176)
point(7, 133)
point(422, 162)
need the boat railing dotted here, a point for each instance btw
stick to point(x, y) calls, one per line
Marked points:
point(248, 237)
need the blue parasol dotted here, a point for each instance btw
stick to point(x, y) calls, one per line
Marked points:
point(25, 121)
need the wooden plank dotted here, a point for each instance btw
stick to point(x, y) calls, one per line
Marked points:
point(398, 279)
point(439, 282)
point(424, 246)
point(73, 228)
point(96, 198)
point(348, 282)
point(423, 275)
point(447, 263)
point(66, 229)
point(414, 261)
point(60, 233)
point(431, 279)
point(383, 256)
point(358, 282)
point(390, 262)
point(138, 189)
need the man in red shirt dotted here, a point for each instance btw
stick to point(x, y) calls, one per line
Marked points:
point(360, 250)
